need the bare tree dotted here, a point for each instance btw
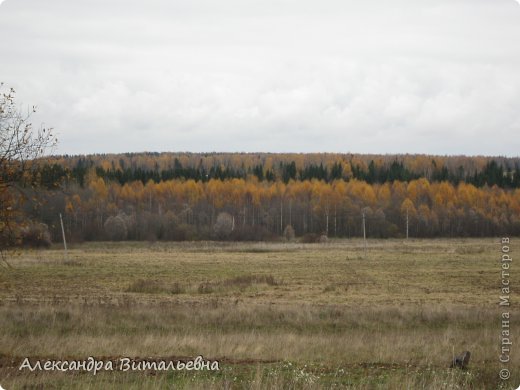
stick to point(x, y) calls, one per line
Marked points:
point(116, 229)
point(20, 147)
point(289, 233)
point(224, 225)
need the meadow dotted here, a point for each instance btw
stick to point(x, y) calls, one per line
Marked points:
point(276, 315)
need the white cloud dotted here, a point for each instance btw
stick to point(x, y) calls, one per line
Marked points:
point(286, 75)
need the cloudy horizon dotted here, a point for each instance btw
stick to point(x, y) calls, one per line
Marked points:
point(435, 77)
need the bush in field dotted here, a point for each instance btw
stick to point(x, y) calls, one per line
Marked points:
point(36, 235)
point(310, 238)
point(115, 228)
point(169, 223)
point(144, 286)
point(252, 233)
point(130, 222)
point(173, 229)
point(190, 232)
point(150, 286)
point(288, 233)
point(392, 230)
point(184, 232)
point(224, 225)
point(323, 239)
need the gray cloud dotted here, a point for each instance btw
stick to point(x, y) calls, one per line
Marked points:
point(431, 76)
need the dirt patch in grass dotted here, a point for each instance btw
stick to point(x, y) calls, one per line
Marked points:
point(241, 283)
point(149, 286)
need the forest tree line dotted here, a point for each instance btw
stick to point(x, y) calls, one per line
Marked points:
point(157, 167)
point(100, 208)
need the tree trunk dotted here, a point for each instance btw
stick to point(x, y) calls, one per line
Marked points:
point(281, 216)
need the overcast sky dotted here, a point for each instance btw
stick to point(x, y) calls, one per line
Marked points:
point(370, 76)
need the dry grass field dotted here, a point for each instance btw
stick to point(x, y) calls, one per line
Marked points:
point(276, 315)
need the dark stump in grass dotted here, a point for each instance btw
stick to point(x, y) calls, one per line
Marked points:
point(461, 361)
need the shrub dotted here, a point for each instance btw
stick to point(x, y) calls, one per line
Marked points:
point(115, 228)
point(146, 286)
point(323, 239)
point(176, 288)
point(181, 232)
point(224, 225)
point(36, 235)
point(252, 233)
point(149, 286)
point(241, 282)
point(205, 288)
point(288, 233)
point(392, 230)
point(130, 222)
point(310, 238)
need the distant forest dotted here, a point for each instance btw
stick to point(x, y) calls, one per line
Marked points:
point(264, 196)
point(373, 169)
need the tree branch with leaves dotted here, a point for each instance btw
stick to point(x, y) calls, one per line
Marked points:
point(20, 147)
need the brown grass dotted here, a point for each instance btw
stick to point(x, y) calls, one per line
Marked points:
point(324, 314)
